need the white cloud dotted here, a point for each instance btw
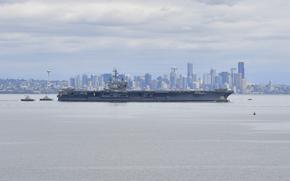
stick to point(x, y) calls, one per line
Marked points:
point(223, 26)
point(184, 24)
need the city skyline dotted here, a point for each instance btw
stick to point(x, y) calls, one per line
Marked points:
point(234, 79)
point(255, 77)
point(195, 71)
point(174, 80)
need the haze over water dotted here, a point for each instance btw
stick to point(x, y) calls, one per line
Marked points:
point(145, 141)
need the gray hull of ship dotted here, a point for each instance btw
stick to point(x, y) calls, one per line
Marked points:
point(144, 96)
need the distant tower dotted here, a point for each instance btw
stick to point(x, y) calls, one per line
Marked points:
point(241, 69)
point(48, 78)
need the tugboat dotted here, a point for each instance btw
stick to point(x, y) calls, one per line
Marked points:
point(28, 99)
point(46, 98)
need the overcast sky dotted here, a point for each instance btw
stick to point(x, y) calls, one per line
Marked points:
point(86, 36)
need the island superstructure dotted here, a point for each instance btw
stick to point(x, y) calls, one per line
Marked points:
point(116, 91)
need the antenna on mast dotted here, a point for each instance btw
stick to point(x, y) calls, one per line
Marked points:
point(48, 83)
point(115, 75)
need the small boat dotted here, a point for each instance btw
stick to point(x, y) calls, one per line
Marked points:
point(46, 98)
point(28, 99)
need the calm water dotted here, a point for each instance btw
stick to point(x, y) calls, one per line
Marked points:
point(145, 141)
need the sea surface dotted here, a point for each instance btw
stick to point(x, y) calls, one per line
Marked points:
point(61, 141)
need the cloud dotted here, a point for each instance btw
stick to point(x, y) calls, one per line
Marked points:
point(78, 27)
point(220, 2)
point(181, 23)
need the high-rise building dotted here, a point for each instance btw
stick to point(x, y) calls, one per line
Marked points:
point(85, 81)
point(72, 82)
point(213, 78)
point(148, 80)
point(232, 82)
point(241, 69)
point(106, 77)
point(190, 75)
point(94, 81)
point(173, 77)
point(206, 79)
point(159, 80)
point(238, 82)
point(78, 82)
point(225, 77)
point(189, 69)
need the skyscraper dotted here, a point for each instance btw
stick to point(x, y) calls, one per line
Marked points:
point(224, 78)
point(232, 81)
point(190, 75)
point(238, 82)
point(85, 81)
point(173, 77)
point(241, 69)
point(94, 81)
point(189, 70)
point(78, 82)
point(213, 78)
point(72, 82)
point(106, 77)
point(148, 80)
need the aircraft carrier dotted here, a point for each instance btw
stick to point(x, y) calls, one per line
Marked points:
point(116, 91)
